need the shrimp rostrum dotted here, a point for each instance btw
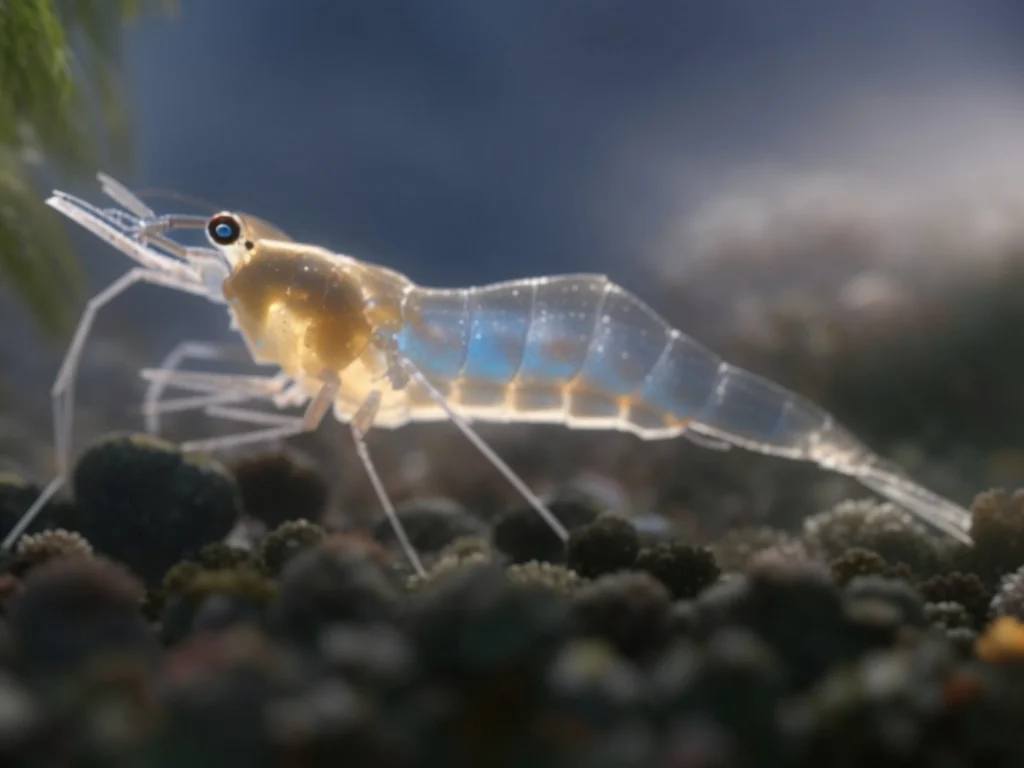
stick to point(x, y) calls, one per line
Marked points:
point(378, 350)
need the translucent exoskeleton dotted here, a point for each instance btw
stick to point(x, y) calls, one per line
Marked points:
point(380, 351)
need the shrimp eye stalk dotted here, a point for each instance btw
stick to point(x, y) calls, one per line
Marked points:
point(224, 229)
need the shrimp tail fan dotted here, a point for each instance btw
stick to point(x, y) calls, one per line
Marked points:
point(941, 513)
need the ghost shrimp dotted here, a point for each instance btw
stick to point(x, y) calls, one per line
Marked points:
point(378, 350)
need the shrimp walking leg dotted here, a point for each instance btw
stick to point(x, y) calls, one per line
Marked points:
point(272, 386)
point(249, 416)
point(155, 269)
point(201, 402)
point(283, 426)
point(361, 423)
point(212, 389)
point(30, 515)
point(62, 392)
point(478, 442)
point(186, 350)
point(220, 397)
point(207, 382)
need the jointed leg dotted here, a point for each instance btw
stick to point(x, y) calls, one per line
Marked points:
point(196, 402)
point(63, 391)
point(463, 425)
point(283, 426)
point(155, 268)
point(278, 427)
point(360, 425)
point(37, 506)
point(207, 382)
point(167, 375)
point(64, 387)
point(217, 391)
point(272, 388)
point(186, 350)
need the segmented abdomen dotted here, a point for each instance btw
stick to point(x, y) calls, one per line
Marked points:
point(579, 349)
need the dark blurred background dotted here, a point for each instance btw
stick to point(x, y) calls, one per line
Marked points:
point(828, 192)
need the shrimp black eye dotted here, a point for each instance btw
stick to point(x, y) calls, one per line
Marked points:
point(223, 230)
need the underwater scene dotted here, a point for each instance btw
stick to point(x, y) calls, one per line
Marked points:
point(520, 384)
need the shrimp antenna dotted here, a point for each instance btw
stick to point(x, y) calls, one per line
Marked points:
point(170, 194)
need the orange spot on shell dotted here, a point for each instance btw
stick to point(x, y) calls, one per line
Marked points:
point(678, 423)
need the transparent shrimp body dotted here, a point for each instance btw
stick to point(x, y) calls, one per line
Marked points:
point(580, 350)
point(572, 349)
point(378, 350)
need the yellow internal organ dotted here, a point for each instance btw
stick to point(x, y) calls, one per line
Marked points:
point(301, 310)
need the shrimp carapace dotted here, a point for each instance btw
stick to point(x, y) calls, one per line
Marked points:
point(300, 307)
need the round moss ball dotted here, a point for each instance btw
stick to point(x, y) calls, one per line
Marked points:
point(685, 570)
point(279, 486)
point(143, 503)
point(610, 544)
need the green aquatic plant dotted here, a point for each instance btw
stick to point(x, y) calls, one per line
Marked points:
point(59, 66)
